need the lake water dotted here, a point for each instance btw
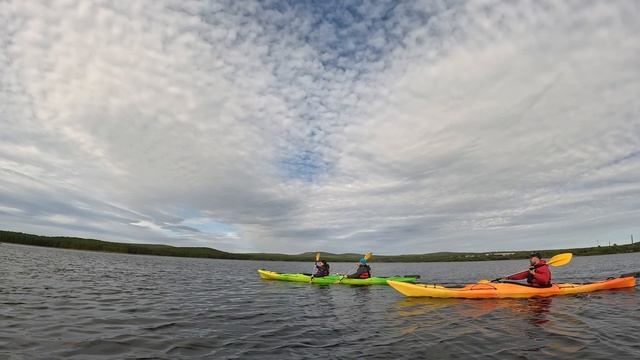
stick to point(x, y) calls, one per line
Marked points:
point(84, 305)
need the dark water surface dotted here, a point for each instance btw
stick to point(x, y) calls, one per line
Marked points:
point(83, 305)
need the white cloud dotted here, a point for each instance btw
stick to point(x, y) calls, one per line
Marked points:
point(404, 127)
point(61, 219)
point(10, 210)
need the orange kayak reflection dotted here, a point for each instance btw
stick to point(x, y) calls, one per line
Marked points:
point(534, 308)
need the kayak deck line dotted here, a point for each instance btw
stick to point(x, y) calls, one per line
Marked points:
point(333, 279)
point(508, 290)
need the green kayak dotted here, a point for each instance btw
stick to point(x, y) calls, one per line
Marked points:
point(334, 279)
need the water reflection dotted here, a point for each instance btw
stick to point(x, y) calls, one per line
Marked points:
point(538, 310)
point(520, 325)
point(535, 309)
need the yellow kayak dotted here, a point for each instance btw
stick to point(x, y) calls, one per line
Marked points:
point(508, 290)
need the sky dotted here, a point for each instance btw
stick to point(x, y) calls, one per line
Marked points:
point(341, 126)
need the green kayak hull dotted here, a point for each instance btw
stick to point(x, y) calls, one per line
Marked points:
point(332, 279)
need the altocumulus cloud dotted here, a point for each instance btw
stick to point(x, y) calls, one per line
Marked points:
point(394, 127)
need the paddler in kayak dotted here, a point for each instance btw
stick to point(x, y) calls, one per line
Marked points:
point(538, 274)
point(322, 269)
point(363, 271)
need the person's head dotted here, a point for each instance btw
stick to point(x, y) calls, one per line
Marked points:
point(363, 261)
point(324, 262)
point(535, 258)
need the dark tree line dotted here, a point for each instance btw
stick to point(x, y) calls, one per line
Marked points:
point(203, 252)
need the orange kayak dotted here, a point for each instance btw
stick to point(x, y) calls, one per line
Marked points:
point(508, 290)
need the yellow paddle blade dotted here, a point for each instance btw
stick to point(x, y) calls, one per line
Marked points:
point(317, 257)
point(483, 281)
point(368, 256)
point(560, 259)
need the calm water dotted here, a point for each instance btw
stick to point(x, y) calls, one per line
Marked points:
point(84, 305)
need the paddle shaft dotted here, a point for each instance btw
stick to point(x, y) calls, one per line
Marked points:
point(354, 268)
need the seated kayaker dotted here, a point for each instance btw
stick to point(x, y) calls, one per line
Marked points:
point(322, 269)
point(363, 272)
point(538, 274)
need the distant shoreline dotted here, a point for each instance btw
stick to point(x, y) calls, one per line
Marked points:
point(203, 252)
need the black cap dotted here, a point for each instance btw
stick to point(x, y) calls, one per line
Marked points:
point(536, 254)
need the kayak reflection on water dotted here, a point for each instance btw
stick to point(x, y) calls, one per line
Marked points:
point(535, 309)
point(538, 310)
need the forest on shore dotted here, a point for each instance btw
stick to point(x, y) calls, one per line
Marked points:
point(204, 252)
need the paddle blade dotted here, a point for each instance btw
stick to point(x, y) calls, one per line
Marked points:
point(317, 257)
point(368, 256)
point(560, 259)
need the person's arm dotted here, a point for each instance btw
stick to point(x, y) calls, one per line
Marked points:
point(542, 275)
point(519, 276)
point(356, 275)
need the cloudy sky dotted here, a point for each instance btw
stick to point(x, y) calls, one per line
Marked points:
point(392, 127)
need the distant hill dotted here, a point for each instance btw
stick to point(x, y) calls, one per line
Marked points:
point(203, 252)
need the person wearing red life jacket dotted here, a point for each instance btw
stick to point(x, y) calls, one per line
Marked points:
point(538, 274)
point(363, 272)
